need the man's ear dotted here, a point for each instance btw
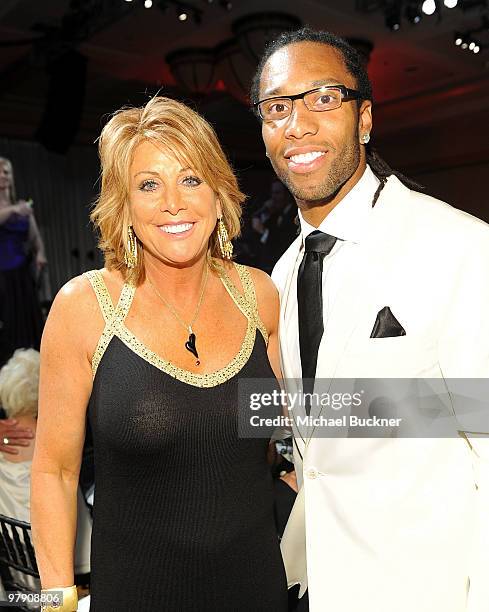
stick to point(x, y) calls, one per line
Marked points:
point(365, 123)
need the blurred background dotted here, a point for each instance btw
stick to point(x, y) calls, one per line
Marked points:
point(65, 65)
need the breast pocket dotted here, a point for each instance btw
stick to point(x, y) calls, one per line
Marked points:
point(398, 357)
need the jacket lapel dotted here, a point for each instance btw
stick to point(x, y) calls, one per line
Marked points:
point(361, 288)
point(287, 329)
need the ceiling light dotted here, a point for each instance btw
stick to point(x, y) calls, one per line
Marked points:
point(464, 45)
point(393, 18)
point(458, 40)
point(450, 3)
point(413, 14)
point(148, 3)
point(428, 7)
point(476, 49)
point(472, 45)
point(182, 15)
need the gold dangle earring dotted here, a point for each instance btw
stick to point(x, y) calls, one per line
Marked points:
point(131, 252)
point(225, 245)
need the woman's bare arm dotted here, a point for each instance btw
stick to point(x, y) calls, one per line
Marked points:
point(35, 237)
point(64, 391)
point(20, 208)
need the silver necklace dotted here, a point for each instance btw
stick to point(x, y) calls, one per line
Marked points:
point(190, 344)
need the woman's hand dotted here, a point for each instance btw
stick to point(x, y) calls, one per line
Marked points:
point(290, 479)
point(22, 208)
point(41, 262)
point(14, 435)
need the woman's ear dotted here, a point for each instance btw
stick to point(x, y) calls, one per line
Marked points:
point(218, 208)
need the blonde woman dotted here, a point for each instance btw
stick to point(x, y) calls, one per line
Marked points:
point(21, 246)
point(152, 348)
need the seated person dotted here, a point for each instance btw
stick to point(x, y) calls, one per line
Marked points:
point(19, 381)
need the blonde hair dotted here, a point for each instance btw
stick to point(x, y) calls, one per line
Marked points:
point(11, 190)
point(19, 382)
point(182, 132)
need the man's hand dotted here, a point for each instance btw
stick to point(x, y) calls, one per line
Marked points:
point(11, 436)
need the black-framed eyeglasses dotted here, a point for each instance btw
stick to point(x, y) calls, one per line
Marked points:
point(320, 99)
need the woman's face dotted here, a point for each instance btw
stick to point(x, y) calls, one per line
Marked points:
point(173, 211)
point(5, 175)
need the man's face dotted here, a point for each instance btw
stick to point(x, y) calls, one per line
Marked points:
point(314, 153)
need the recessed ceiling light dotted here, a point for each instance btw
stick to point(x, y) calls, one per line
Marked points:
point(428, 7)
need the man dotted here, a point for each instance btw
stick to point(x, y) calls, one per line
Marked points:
point(275, 223)
point(381, 282)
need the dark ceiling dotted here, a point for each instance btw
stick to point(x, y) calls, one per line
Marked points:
point(418, 74)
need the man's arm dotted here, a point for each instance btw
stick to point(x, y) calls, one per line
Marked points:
point(464, 360)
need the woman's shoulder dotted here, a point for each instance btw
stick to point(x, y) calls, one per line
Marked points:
point(267, 298)
point(264, 285)
point(76, 304)
point(75, 317)
point(82, 289)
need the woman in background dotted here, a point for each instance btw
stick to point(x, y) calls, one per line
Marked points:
point(19, 385)
point(153, 347)
point(21, 257)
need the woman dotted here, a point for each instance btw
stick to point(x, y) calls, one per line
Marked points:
point(152, 347)
point(20, 246)
point(19, 381)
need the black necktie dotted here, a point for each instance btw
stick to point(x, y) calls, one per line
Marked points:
point(310, 303)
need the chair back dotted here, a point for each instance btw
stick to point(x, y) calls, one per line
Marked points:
point(18, 567)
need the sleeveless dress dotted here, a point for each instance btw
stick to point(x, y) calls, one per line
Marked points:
point(183, 510)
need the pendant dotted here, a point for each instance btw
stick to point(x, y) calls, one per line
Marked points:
point(190, 346)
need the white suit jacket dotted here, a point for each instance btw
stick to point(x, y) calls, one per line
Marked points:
point(397, 525)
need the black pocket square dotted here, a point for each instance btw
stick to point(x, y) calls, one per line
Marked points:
point(386, 325)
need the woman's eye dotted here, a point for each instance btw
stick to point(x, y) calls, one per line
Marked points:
point(192, 181)
point(148, 185)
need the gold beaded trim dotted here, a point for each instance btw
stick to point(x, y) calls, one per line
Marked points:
point(102, 293)
point(250, 293)
point(197, 380)
point(114, 318)
point(247, 303)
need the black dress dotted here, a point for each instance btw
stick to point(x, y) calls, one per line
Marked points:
point(183, 510)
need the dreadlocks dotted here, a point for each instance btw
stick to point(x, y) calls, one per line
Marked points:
point(355, 66)
point(382, 171)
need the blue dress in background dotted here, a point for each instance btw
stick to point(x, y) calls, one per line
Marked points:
point(20, 313)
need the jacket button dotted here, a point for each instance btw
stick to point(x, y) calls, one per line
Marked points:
point(312, 473)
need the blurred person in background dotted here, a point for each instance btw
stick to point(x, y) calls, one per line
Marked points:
point(12, 436)
point(19, 382)
point(22, 258)
point(275, 224)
